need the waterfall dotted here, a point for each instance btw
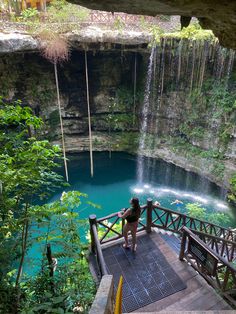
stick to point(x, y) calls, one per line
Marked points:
point(177, 69)
point(135, 86)
point(144, 117)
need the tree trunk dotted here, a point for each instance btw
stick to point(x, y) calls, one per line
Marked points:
point(24, 238)
point(89, 119)
point(61, 123)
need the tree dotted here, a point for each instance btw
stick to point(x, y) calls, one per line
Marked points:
point(27, 172)
point(27, 167)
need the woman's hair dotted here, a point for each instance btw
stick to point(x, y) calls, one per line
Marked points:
point(135, 203)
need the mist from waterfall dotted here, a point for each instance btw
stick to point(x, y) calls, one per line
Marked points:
point(178, 70)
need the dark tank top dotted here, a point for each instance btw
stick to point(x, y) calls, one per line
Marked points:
point(134, 216)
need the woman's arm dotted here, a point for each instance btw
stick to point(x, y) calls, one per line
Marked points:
point(125, 214)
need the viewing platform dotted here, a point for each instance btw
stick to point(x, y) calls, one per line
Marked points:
point(165, 274)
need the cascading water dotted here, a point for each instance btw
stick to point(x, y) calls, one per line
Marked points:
point(144, 117)
point(177, 71)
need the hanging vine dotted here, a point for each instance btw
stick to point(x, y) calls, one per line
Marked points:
point(89, 117)
point(56, 50)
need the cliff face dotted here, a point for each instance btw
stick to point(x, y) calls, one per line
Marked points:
point(191, 119)
point(218, 15)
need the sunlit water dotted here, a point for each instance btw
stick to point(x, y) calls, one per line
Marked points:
point(115, 182)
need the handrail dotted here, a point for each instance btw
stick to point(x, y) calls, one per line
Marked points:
point(96, 246)
point(107, 223)
point(221, 246)
point(99, 252)
point(175, 224)
point(220, 258)
point(187, 216)
point(218, 241)
point(214, 268)
point(200, 233)
point(115, 214)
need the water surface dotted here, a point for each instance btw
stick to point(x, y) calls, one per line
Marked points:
point(115, 182)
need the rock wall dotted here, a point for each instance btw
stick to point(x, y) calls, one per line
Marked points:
point(29, 77)
point(190, 121)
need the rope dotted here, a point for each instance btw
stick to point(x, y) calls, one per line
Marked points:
point(61, 123)
point(89, 120)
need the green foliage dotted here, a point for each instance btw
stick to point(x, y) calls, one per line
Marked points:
point(193, 32)
point(221, 219)
point(192, 131)
point(232, 193)
point(30, 14)
point(233, 183)
point(222, 98)
point(119, 24)
point(27, 173)
point(218, 169)
point(72, 281)
point(61, 11)
point(128, 141)
point(74, 290)
point(213, 158)
point(197, 211)
point(157, 33)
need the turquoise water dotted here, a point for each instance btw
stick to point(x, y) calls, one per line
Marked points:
point(115, 182)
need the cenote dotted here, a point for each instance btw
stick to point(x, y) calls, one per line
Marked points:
point(115, 182)
point(117, 106)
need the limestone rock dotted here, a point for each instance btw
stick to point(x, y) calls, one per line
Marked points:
point(218, 15)
point(14, 42)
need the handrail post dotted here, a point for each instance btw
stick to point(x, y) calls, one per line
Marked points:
point(149, 215)
point(92, 221)
point(182, 247)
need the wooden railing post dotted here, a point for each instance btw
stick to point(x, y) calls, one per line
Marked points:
point(226, 278)
point(92, 221)
point(183, 243)
point(149, 215)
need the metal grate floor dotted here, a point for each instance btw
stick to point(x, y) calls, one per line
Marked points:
point(148, 277)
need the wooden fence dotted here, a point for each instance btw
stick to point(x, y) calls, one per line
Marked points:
point(212, 265)
point(218, 241)
point(110, 227)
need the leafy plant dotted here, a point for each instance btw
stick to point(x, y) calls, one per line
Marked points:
point(193, 32)
point(27, 173)
point(119, 24)
point(29, 14)
point(232, 193)
point(196, 210)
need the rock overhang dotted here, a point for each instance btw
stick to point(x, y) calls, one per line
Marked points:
point(217, 15)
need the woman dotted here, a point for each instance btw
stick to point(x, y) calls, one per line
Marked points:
point(132, 216)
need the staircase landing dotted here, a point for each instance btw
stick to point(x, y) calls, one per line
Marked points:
point(198, 296)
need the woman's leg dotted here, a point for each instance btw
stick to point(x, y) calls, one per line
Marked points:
point(126, 231)
point(134, 238)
